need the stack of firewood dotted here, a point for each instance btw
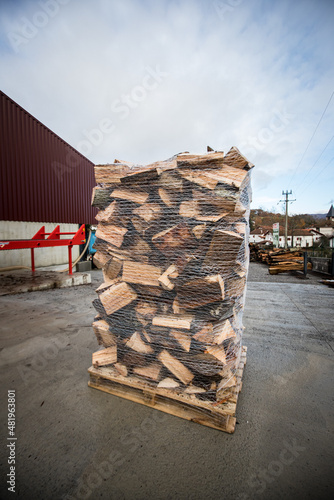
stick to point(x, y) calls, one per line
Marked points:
point(282, 261)
point(279, 260)
point(172, 242)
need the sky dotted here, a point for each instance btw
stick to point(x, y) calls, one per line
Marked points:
point(142, 80)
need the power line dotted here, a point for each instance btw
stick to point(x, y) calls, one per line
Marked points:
point(286, 201)
point(316, 128)
point(312, 181)
point(314, 164)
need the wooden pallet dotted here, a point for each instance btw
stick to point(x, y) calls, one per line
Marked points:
point(217, 415)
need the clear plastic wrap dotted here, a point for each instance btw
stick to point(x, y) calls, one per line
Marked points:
point(172, 241)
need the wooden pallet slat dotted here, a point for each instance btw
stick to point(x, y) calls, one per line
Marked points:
point(220, 416)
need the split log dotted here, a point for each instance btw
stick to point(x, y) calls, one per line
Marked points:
point(218, 352)
point(103, 333)
point(204, 162)
point(128, 163)
point(143, 274)
point(169, 199)
point(110, 174)
point(235, 159)
point(176, 367)
point(175, 237)
point(149, 212)
point(105, 357)
point(116, 297)
point(193, 389)
point(149, 292)
point(100, 198)
point(147, 337)
point(204, 364)
point(108, 214)
point(138, 247)
point(192, 209)
point(240, 227)
point(182, 338)
point(112, 234)
point(140, 175)
point(168, 383)
point(174, 321)
point(205, 334)
point(121, 369)
point(139, 197)
point(137, 344)
point(151, 371)
point(145, 311)
point(172, 181)
point(223, 249)
point(200, 292)
point(199, 230)
point(199, 178)
point(223, 331)
point(133, 359)
point(230, 176)
point(113, 268)
point(100, 259)
point(164, 279)
point(216, 203)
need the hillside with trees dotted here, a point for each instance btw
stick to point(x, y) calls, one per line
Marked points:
point(262, 218)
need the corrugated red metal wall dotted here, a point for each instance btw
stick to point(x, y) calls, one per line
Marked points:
point(42, 178)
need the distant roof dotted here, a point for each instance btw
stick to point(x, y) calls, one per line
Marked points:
point(260, 230)
point(330, 212)
point(264, 230)
point(302, 232)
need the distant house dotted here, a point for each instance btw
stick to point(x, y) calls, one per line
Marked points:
point(298, 237)
point(301, 238)
point(331, 242)
point(330, 215)
point(262, 235)
point(326, 228)
point(325, 231)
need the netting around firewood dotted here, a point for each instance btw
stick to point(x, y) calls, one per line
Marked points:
point(172, 242)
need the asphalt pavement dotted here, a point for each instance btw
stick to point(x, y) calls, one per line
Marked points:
point(76, 442)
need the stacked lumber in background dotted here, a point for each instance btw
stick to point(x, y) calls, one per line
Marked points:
point(172, 242)
point(258, 252)
point(279, 260)
point(282, 261)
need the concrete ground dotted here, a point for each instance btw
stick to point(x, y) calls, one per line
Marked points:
point(20, 281)
point(77, 442)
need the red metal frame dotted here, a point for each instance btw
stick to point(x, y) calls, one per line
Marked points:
point(53, 240)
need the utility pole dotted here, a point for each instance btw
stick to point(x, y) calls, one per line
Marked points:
point(286, 201)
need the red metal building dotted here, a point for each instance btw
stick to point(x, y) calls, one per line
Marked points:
point(42, 178)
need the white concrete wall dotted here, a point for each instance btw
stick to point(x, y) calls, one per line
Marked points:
point(43, 256)
point(304, 242)
point(326, 231)
point(258, 238)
